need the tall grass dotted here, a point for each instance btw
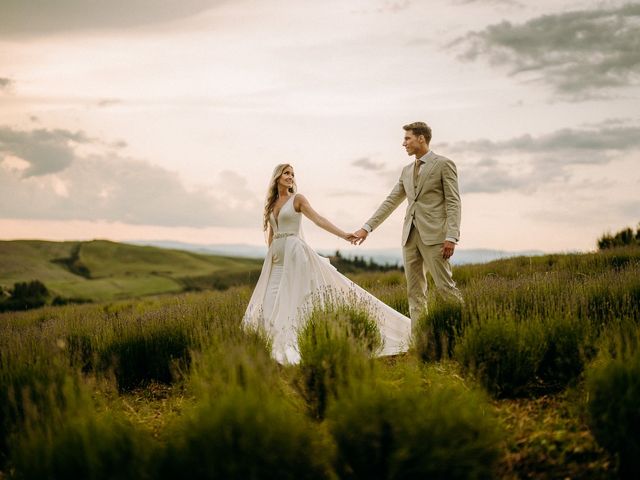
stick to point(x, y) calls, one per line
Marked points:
point(532, 334)
point(148, 348)
point(614, 397)
point(437, 330)
point(571, 264)
point(569, 345)
point(503, 354)
point(27, 390)
point(390, 287)
point(335, 343)
point(138, 341)
point(73, 440)
point(243, 424)
point(242, 362)
point(59, 431)
point(244, 434)
point(385, 432)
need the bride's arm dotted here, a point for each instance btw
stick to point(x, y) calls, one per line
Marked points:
point(301, 204)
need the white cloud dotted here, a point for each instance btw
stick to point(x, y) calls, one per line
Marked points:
point(41, 17)
point(526, 162)
point(368, 164)
point(579, 53)
point(59, 183)
point(600, 139)
point(46, 151)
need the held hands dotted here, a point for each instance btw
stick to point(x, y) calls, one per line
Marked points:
point(359, 236)
point(353, 238)
point(350, 237)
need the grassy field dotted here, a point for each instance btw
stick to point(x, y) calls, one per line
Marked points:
point(537, 375)
point(101, 270)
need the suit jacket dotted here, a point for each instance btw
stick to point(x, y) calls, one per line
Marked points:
point(433, 206)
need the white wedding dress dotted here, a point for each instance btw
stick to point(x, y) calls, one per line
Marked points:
point(292, 276)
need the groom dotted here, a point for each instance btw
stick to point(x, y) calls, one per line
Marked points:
point(432, 220)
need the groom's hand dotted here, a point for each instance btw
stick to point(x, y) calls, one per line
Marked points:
point(361, 236)
point(447, 249)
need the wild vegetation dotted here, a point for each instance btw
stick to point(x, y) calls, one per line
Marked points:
point(537, 375)
point(624, 237)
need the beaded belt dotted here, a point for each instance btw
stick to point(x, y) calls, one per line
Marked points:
point(282, 235)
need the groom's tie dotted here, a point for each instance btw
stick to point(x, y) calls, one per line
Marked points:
point(416, 170)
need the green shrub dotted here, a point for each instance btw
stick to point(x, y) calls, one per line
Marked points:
point(334, 344)
point(243, 434)
point(26, 296)
point(568, 347)
point(243, 363)
point(73, 441)
point(620, 340)
point(81, 350)
point(614, 403)
point(143, 353)
point(503, 354)
point(27, 388)
point(444, 432)
point(514, 357)
point(620, 239)
point(436, 332)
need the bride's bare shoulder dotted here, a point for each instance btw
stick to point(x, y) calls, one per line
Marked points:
point(298, 201)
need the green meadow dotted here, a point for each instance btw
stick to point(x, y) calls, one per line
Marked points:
point(102, 270)
point(536, 375)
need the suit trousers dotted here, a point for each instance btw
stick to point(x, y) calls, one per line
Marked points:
point(418, 259)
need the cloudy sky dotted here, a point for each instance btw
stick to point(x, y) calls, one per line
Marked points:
point(163, 119)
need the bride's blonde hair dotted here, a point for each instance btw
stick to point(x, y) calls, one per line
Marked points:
point(272, 192)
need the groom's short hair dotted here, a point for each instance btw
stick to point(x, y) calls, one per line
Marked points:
point(419, 128)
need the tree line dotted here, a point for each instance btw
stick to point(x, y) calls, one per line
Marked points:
point(360, 264)
point(622, 238)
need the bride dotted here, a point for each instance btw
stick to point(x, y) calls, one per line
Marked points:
point(293, 272)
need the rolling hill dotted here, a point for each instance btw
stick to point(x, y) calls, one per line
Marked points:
point(104, 270)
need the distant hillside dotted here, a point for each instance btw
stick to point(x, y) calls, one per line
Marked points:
point(383, 256)
point(105, 270)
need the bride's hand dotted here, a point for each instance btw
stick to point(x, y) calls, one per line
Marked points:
point(351, 238)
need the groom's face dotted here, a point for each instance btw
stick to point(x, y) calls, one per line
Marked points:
point(412, 144)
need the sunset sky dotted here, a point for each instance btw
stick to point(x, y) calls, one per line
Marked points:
point(162, 120)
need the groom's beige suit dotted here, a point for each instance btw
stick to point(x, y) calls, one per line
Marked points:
point(432, 216)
